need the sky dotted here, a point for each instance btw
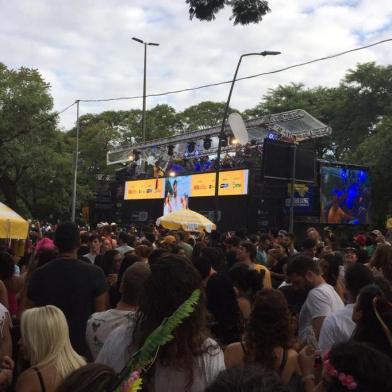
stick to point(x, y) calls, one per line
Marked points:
point(85, 51)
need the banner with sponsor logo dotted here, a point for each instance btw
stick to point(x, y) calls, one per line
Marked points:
point(177, 190)
point(144, 189)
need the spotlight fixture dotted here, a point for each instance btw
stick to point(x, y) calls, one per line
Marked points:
point(207, 143)
point(172, 174)
point(170, 150)
point(130, 158)
point(191, 147)
point(223, 141)
point(234, 141)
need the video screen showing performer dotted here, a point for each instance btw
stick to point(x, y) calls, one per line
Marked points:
point(177, 191)
point(345, 195)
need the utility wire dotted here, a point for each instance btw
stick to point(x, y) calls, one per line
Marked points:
point(25, 131)
point(243, 78)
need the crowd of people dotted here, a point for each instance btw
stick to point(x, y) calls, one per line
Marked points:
point(274, 314)
point(238, 157)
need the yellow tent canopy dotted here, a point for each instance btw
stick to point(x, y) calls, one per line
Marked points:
point(12, 225)
point(186, 220)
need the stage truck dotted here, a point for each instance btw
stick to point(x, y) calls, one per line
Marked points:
point(274, 180)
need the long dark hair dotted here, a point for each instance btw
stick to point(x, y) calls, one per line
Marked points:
point(331, 267)
point(375, 319)
point(370, 368)
point(268, 327)
point(172, 281)
point(222, 304)
point(249, 281)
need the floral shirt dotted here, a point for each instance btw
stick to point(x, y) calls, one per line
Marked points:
point(101, 324)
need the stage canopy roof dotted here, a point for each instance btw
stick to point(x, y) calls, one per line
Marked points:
point(296, 124)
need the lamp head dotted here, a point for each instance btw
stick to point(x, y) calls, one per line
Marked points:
point(138, 40)
point(269, 53)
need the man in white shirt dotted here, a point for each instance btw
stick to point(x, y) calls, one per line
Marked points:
point(101, 324)
point(124, 240)
point(322, 300)
point(94, 243)
point(339, 326)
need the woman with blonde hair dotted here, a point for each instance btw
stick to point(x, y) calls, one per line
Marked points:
point(46, 344)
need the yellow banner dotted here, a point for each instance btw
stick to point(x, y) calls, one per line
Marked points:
point(144, 189)
point(231, 183)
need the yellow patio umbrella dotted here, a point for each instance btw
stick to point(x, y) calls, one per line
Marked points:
point(186, 220)
point(12, 225)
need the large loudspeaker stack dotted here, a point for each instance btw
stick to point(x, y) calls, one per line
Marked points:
point(278, 160)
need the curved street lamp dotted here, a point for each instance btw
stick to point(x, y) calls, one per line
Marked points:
point(222, 130)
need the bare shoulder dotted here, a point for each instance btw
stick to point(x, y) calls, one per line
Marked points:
point(234, 355)
point(27, 382)
point(292, 354)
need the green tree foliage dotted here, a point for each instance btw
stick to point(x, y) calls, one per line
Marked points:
point(204, 115)
point(243, 11)
point(35, 169)
point(376, 152)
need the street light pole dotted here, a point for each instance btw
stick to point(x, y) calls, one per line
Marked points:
point(76, 161)
point(222, 130)
point(144, 82)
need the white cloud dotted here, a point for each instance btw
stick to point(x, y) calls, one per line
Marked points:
point(84, 49)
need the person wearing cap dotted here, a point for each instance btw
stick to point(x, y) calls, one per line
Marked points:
point(350, 256)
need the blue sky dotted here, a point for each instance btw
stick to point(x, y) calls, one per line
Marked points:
point(84, 49)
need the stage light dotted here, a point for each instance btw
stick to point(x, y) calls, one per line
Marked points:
point(172, 174)
point(207, 143)
point(170, 150)
point(136, 155)
point(223, 142)
point(191, 147)
point(234, 141)
point(130, 158)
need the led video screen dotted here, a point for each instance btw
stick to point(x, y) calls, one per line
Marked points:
point(179, 189)
point(144, 189)
point(176, 191)
point(344, 195)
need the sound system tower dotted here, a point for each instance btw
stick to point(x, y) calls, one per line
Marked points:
point(278, 160)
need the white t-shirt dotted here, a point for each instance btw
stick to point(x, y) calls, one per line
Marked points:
point(116, 353)
point(337, 328)
point(101, 324)
point(125, 249)
point(90, 257)
point(321, 301)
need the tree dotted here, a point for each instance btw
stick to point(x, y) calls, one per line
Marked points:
point(243, 11)
point(35, 169)
point(376, 152)
point(23, 97)
point(204, 115)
